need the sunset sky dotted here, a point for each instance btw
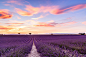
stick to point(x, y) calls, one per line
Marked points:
point(42, 16)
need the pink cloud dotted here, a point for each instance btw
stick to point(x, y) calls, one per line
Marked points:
point(18, 17)
point(32, 9)
point(57, 11)
point(64, 23)
point(77, 7)
point(51, 9)
point(45, 9)
point(8, 5)
point(23, 13)
point(35, 10)
point(43, 24)
point(69, 18)
point(72, 8)
point(53, 24)
point(15, 2)
point(41, 16)
point(51, 21)
point(4, 14)
point(40, 9)
point(73, 22)
point(68, 23)
point(84, 22)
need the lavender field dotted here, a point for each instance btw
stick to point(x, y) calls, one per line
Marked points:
point(43, 45)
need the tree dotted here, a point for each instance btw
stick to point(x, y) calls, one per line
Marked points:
point(81, 33)
point(29, 33)
point(18, 33)
point(1, 34)
point(51, 34)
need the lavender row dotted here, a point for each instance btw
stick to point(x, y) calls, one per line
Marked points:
point(15, 46)
point(79, 46)
point(21, 51)
point(48, 51)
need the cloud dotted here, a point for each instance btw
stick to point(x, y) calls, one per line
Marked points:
point(44, 24)
point(72, 8)
point(40, 9)
point(34, 10)
point(15, 2)
point(53, 9)
point(57, 11)
point(77, 7)
point(23, 13)
point(29, 10)
point(15, 23)
point(51, 21)
point(62, 24)
point(69, 18)
point(4, 28)
point(68, 23)
point(84, 22)
point(18, 17)
point(53, 24)
point(4, 14)
point(8, 5)
point(39, 17)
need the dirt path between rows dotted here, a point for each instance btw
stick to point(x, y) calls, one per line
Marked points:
point(33, 52)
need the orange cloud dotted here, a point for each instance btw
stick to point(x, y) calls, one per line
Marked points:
point(4, 14)
point(4, 28)
point(14, 2)
point(14, 23)
point(43, 24)
point(32, 9)
point(23, 13)
point(73, 8)
point(84, 22)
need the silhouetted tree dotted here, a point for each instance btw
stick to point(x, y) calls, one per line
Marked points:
point(29, 33)
point(18, 33)
point(1, 34)
point(51, 34)
point(81, 33)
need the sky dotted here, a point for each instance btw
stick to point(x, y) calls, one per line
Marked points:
point(42, 16)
